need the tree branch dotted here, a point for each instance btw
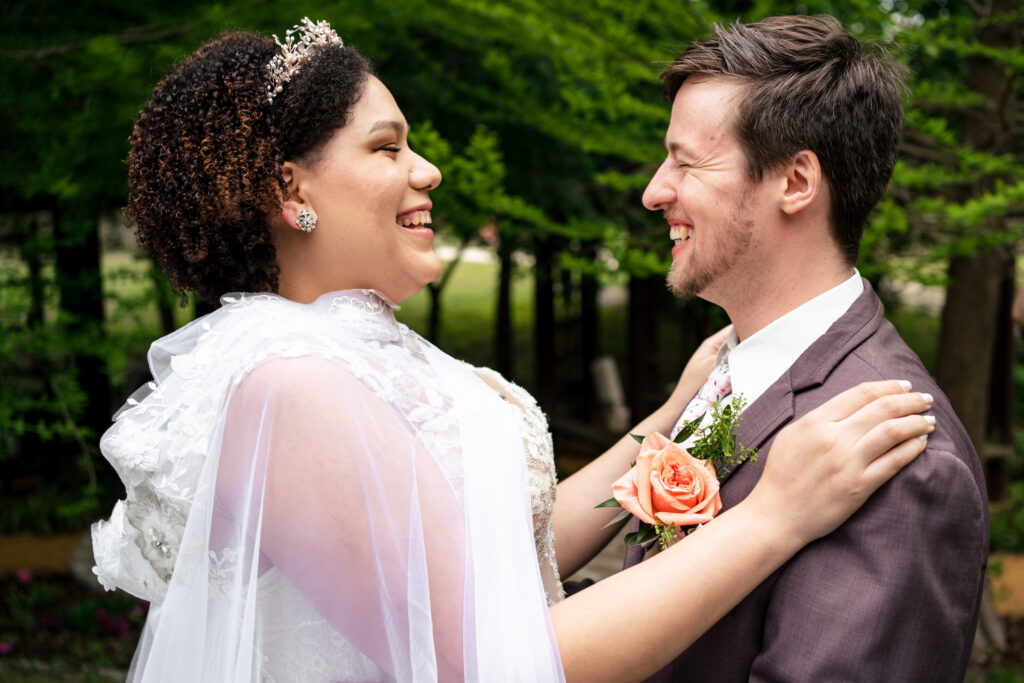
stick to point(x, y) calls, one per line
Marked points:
point(692, 11)
point(982, 12)
point(450, 270)
point(131, 36)
point(82, 444)
point(928, 154)
point(943, 106)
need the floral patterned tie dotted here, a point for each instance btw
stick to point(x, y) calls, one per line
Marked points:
point(716, 387)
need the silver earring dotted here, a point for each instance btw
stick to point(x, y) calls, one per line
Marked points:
point(306, 220)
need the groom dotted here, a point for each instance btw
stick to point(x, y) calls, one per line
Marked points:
point(782, 138)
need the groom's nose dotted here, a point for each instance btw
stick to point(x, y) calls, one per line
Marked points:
point(659, 194)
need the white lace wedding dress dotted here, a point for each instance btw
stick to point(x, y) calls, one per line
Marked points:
point(315, 493)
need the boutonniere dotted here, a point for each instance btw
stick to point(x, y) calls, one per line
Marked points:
point(673, 490)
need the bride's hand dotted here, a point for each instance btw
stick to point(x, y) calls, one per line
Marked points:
point(822, 467)
point(703, 359)
point(697, 369)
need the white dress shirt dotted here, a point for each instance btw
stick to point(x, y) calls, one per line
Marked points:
point(759, 360)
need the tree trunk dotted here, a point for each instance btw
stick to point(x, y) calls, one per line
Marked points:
point(999, 424)
point(589, 343)
point(643, 391)
point(29, 372)
point(80, 284)
point(81, 299)
point(31, 252)
point(966, 338)
point(1000, 416)
point(970, 327)
point(434, 314)
point(164, 299)
point(503, 320)
point(436, 288)
point(544, 330)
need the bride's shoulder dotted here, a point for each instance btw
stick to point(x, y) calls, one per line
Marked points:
point(299, 377)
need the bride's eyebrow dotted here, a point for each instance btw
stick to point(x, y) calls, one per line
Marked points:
point(396, 126)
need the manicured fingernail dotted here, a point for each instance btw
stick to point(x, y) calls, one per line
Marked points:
point(924, 438)
point(930, 419)
point(905, 384)
point(928, 398)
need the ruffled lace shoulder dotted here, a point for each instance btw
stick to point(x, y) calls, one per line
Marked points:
point(161, 437)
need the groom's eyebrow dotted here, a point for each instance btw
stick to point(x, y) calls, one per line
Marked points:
point(676, 148)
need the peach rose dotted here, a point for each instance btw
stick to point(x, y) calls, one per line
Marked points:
point(668, 485)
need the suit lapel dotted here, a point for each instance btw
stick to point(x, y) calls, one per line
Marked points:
point(761, 419)
point(775, 406)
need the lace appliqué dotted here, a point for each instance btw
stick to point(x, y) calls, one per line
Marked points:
point(297, 645)
point(223, 570)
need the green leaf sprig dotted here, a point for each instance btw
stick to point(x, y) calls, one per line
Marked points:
point(717, 441)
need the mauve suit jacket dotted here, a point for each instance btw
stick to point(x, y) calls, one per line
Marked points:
point(893, 594)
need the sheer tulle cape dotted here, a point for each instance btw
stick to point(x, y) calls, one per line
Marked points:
point(338, 499)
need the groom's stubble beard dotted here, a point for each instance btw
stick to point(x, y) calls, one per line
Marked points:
point(688, 278)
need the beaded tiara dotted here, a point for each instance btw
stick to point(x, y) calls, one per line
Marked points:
point(284, 66)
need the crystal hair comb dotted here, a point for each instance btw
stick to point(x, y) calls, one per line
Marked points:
point(284, 66)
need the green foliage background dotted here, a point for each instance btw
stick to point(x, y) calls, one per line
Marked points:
point(546, 118)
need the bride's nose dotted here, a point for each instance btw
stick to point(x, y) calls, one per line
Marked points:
point(424, 175)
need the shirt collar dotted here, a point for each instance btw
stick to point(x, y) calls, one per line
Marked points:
point(758, 361)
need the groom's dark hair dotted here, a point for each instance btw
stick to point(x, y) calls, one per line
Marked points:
point(809, 85)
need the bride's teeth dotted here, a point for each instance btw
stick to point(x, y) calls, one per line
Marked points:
point(415, 218)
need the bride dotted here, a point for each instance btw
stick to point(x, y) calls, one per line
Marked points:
point(315, 493)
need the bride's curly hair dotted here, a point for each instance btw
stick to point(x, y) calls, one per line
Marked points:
point(204, 171)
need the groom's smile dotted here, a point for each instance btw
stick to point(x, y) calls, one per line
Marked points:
point(680, 233)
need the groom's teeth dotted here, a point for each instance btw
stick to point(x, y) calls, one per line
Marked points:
point(680, 235)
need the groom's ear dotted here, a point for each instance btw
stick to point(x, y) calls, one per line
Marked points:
point(802, 181)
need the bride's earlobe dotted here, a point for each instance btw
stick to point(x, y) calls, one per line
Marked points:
point(802, 176)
